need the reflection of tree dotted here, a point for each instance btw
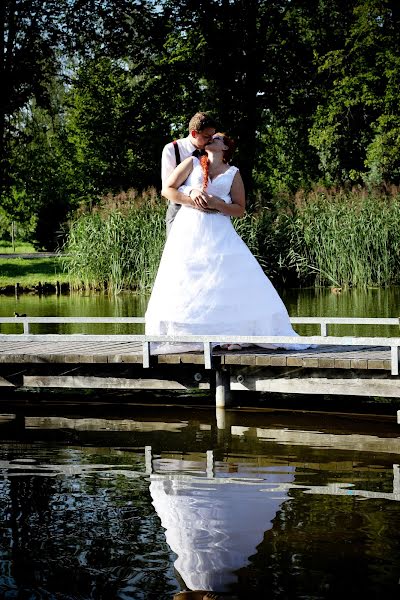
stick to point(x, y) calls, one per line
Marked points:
point(28, 510)
point(89, 530)
point(83, 536)
point(327, 547)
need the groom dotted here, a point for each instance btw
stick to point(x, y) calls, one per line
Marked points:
point(201, 129)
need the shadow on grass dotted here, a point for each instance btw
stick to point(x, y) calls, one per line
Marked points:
point(24, 268)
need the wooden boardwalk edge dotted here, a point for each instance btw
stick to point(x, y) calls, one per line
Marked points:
point(358, 366)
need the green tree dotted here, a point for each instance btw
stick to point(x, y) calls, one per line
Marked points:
point(292, 91)
point(217, 51)
point(112, 125)
point(358, 120)
point(252, 64)
point(44, 178)
point(43, 43)
point(28, 42)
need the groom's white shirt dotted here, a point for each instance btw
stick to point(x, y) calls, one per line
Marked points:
point(168, 159)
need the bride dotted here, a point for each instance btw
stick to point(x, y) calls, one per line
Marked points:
point(208, 281)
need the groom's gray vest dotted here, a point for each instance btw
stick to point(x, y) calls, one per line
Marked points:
point(173, 208)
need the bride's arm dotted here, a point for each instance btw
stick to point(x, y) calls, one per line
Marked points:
point(238, 206)
point(176, 179)
point(178, 176)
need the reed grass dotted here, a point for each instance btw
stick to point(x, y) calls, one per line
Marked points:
point(337, 237)
point(346, 237)
point(118, 244)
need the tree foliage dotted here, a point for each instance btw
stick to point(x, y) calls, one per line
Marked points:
point(356, 124)
point(94, 89)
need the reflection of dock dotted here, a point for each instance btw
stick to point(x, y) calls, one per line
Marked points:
point(280, 435)
point(259, 437)
point(330, 489)
point(359, 366)
point(267, 446)
point(319, 439)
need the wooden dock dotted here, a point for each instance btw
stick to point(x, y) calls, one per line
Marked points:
point(360, 366)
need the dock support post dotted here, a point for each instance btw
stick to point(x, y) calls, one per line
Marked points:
point(394, 359)
point(220, 417)
point(222, 388)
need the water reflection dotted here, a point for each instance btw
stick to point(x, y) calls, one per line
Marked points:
point(379, 302)
point(149, 505)
point(214, 524)
point(75, 305)
point(372, 302)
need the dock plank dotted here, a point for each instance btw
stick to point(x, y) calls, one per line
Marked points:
point(323, 357)
point(8, 349)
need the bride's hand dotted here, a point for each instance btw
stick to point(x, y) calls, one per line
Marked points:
point(213, 202)
point(200, 200)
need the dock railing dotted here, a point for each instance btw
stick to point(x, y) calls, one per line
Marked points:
point(208, 340)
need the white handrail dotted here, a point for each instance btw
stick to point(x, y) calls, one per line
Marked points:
point(207, 340)
point(322, 321)
point(72, 319)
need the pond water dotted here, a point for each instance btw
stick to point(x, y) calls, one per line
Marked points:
point(155, 501)
point(377, 302)
point(135, 503)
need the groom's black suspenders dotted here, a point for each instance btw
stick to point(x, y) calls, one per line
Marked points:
point(177, 155)
point(197, 153)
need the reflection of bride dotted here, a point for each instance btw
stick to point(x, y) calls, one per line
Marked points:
point(215, 524)
point(208, 282)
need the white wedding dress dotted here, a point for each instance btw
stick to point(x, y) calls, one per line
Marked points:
point(208, 281)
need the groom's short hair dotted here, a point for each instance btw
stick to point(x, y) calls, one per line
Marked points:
point(201, 121)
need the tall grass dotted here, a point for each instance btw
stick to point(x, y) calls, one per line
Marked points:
point(324, 237)
point(346, 237)
point(118, 244)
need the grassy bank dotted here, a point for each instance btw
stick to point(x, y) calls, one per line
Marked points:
point(329, 237)
point(118, 244)
point(30, 273)
point(19, 248)
point(346, 237)
point(324, 237)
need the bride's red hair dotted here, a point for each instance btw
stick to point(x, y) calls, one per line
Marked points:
point(205, 166)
